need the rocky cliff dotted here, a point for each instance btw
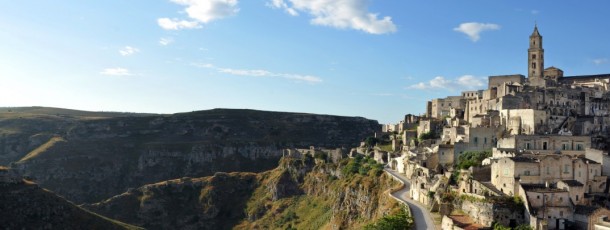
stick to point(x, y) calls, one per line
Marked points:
point(299, 193)
point(87, 157)
point(27, 206)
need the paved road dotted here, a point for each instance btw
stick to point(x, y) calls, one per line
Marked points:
point(421, 215)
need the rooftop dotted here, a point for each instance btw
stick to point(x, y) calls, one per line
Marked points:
point(540, 188)
point(569, 78)
point(523, 159)
point(585, 209)
point(465, 222)
point(573, 183)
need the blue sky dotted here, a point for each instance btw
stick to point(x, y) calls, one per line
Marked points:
point(376, 59)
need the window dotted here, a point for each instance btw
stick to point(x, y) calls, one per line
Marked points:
point(505, 172)
point(579, 147)
point(560, 213)
point(543, 145)
point(533, 64)
point(576, 197)
point(566, 169)
point(476, 139)
point(534, 56)
point(538, 197)
point(527, 146)
point(548, 170)
point(485, 140)
point(527, 173)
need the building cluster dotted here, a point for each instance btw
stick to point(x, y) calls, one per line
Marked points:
point(524, 151)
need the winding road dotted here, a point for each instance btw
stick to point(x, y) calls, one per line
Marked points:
point(421, 215)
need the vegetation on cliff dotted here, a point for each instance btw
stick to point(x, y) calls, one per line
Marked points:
point(398, 221)
point(301, 193)
point(349, 194)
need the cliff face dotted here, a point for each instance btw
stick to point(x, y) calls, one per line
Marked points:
point(27, 206)
point(87, 157)
point(298, 193)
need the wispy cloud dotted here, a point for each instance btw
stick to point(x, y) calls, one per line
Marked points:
point(600, 61)
point(177, 24)
point(382, 94)
point(128, 50)
point(534, 12)
point(116, 72)
point(345, 14)
point(261, 73)
point(465, 82)
point(474, 29)
point(199, 12)
point(166, 41)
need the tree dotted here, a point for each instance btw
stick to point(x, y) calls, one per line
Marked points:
point(428, 136)
point(371, 141)
point(472, 158)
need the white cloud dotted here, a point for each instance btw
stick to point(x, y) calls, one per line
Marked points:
point(344, 14)
point(261, 73)
point(470, 82)
point(128, 50)
point(466, 82)
point(166, 41)
point(200, 12)
point(600, 61)
point(204, 65)
point(116, 72)
point(242, 72)
point(474, 29)
point(176, 24)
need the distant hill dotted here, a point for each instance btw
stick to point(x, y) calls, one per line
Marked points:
point(24, 205)
point(37, 110)
point(90, 156)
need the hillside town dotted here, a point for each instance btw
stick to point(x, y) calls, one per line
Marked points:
point(524, 152)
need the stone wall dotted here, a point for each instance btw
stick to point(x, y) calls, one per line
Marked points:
point(485, 213)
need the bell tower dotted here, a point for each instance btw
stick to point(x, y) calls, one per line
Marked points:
point(535, 58)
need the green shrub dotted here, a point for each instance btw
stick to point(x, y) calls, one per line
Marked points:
point(398, 221)
point(472, 158)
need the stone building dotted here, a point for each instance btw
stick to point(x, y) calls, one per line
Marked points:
point(550, 138)
point(548, 208)
point(547, 144)
point(510, 172)
point(441, 107)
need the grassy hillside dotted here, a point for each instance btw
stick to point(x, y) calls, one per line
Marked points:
point(27, 206)
point(300, 193)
